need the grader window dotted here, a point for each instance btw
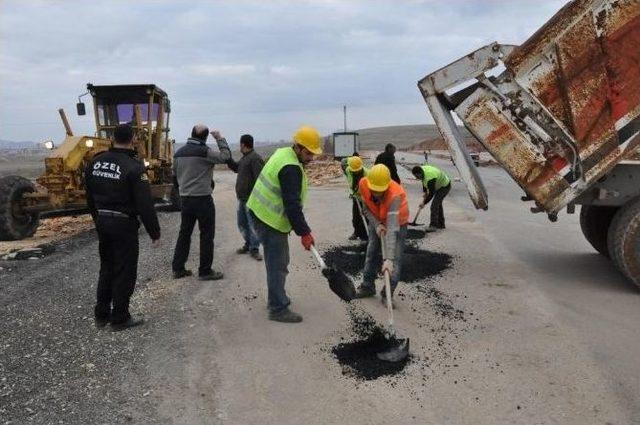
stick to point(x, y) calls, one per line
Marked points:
point(112, 115)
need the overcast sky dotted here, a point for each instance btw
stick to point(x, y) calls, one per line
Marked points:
point(262, 67)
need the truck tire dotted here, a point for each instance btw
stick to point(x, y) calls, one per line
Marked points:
point(15, 225)
point(624, 239)
point(594, 222)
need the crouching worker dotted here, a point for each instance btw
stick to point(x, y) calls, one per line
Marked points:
point(436, 184)
point(387, 212)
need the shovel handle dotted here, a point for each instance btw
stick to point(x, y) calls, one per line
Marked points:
point(417, 214)
point(364, 221)
point(387, 284)
point(318, 257)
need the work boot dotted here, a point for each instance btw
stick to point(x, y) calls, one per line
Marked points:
point(256, 255)
point(242, 250)
point(130, 323)
point(212, 275)
point(285, 316)
point(101, 322)
point(182, 273)
point(365, 292)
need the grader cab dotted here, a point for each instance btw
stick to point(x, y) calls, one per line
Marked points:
point(60, 189)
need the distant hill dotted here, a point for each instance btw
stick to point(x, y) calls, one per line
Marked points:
point(404, 137)
point(8, 144)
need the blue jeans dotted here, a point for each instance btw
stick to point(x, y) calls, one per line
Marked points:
point(373, 260)
point(276, 260)
point(247, 227)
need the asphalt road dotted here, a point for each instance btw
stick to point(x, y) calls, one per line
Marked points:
point(545, 332)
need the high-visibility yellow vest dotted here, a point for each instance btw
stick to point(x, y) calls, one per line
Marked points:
point(431, 172)
point(266, 197)
point(349, 175)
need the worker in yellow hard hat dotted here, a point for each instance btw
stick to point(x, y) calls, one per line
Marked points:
point(354, 171)
point(276, 203)
point(387, 211)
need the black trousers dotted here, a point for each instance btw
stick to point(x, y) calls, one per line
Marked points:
point(358, 224)
point(437, 212)
point(119, 249)
point(202, 210)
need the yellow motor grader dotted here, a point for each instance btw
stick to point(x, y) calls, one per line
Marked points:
point(60, 189)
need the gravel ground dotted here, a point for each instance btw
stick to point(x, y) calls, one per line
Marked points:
point(55, 366)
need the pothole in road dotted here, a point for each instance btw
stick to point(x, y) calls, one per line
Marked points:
point(417, 264)
point(358, 357)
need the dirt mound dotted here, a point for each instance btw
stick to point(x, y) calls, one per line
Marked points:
point(50, 230)
point(438, 144)
point(322, 171)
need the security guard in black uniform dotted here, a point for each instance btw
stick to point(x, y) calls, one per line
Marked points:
point(117, 193)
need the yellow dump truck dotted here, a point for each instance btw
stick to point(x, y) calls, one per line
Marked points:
point(561, 114)
point(60, 189)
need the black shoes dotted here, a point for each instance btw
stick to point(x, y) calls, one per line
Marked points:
point(353, 237)
point(242, 250)
point(182, 273)
point(365, 292)
point(212, 275)
point(130, 323)
point(101, 322)
point(256, 255)
point(285, 316)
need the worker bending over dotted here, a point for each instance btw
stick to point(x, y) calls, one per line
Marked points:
point(387, 211)
point(355, 171)
point(436, 184)
point(276, 202)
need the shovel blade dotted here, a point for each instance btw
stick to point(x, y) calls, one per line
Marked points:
point(397, 353)
point(340, 284)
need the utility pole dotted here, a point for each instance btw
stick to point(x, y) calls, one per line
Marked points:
point(344, 109)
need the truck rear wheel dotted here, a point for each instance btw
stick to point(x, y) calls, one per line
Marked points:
point(624, 240)
point(594, 222)
point(14, 223)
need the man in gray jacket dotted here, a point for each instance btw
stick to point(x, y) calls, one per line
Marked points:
point(193, 171)
point(248, 169)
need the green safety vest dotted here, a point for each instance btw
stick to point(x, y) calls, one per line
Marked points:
point(349, 176)
point(431, 172)
point(266, 198)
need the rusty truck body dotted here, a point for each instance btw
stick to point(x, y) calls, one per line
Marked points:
point(562, 117)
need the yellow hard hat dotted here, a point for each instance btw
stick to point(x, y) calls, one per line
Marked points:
point(355, 163)
point(309, 138)
point(378, 178)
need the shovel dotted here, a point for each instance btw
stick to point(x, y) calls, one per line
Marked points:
point(400, 348)
point(339, 282)
point(364, 221)
point(413, 223)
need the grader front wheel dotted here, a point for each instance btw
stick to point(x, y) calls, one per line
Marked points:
point(15, 224)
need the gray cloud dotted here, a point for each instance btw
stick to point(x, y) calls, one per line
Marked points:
point(244, 66)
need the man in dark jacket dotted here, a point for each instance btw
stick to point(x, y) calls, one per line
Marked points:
point(248, 169)
point(388, 158)
point(118, 193)
point(193, 170)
